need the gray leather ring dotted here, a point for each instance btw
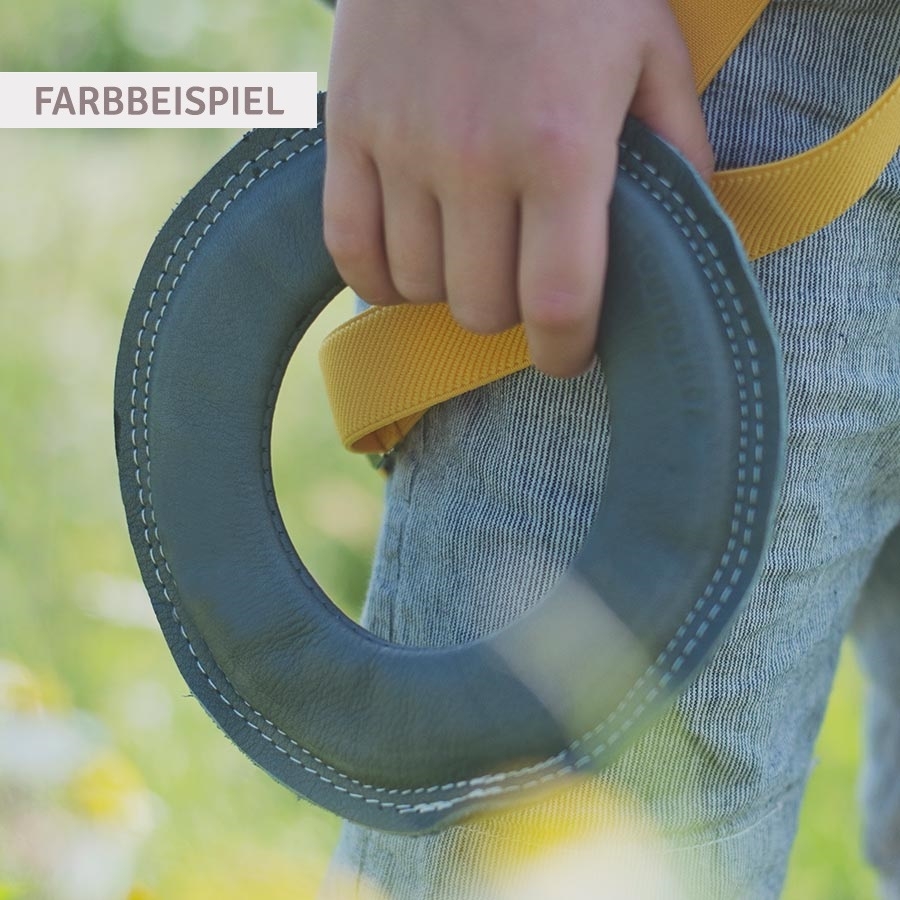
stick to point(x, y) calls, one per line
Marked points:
point(410, 739)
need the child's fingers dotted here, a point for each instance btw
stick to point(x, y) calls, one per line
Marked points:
point(562, 264)
point(412, 225)
point(666, 101)
point(352, 212)
point(481, 243)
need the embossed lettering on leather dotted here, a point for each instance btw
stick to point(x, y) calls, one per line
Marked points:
point(408, 739)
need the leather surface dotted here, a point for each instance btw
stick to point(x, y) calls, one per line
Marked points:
point(410, 739)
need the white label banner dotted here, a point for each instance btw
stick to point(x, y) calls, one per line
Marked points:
point(157, 100)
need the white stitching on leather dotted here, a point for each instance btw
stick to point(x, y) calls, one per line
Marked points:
point(750, 515)
point(487, 785)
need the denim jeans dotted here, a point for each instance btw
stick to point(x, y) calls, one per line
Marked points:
point(493, 492)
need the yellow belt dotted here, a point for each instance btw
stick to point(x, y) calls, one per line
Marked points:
point(385, 367)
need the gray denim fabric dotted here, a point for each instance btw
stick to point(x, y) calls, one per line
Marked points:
point(494, 491)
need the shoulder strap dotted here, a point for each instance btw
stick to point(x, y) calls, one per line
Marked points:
point(384, 368)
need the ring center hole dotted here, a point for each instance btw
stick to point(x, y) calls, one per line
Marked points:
point(330, 500)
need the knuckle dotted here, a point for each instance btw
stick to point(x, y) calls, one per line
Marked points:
point(466, 146)
point(559, 140)
point(474, 152)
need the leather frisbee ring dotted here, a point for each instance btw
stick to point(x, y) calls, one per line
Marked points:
point(410, 739)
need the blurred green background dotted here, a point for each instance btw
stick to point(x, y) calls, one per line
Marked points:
point(113, 782)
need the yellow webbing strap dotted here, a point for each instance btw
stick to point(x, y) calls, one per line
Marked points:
point(712, 29)
point(777, 204)
point(384, 368)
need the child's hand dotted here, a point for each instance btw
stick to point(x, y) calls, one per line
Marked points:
point(472, 152)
